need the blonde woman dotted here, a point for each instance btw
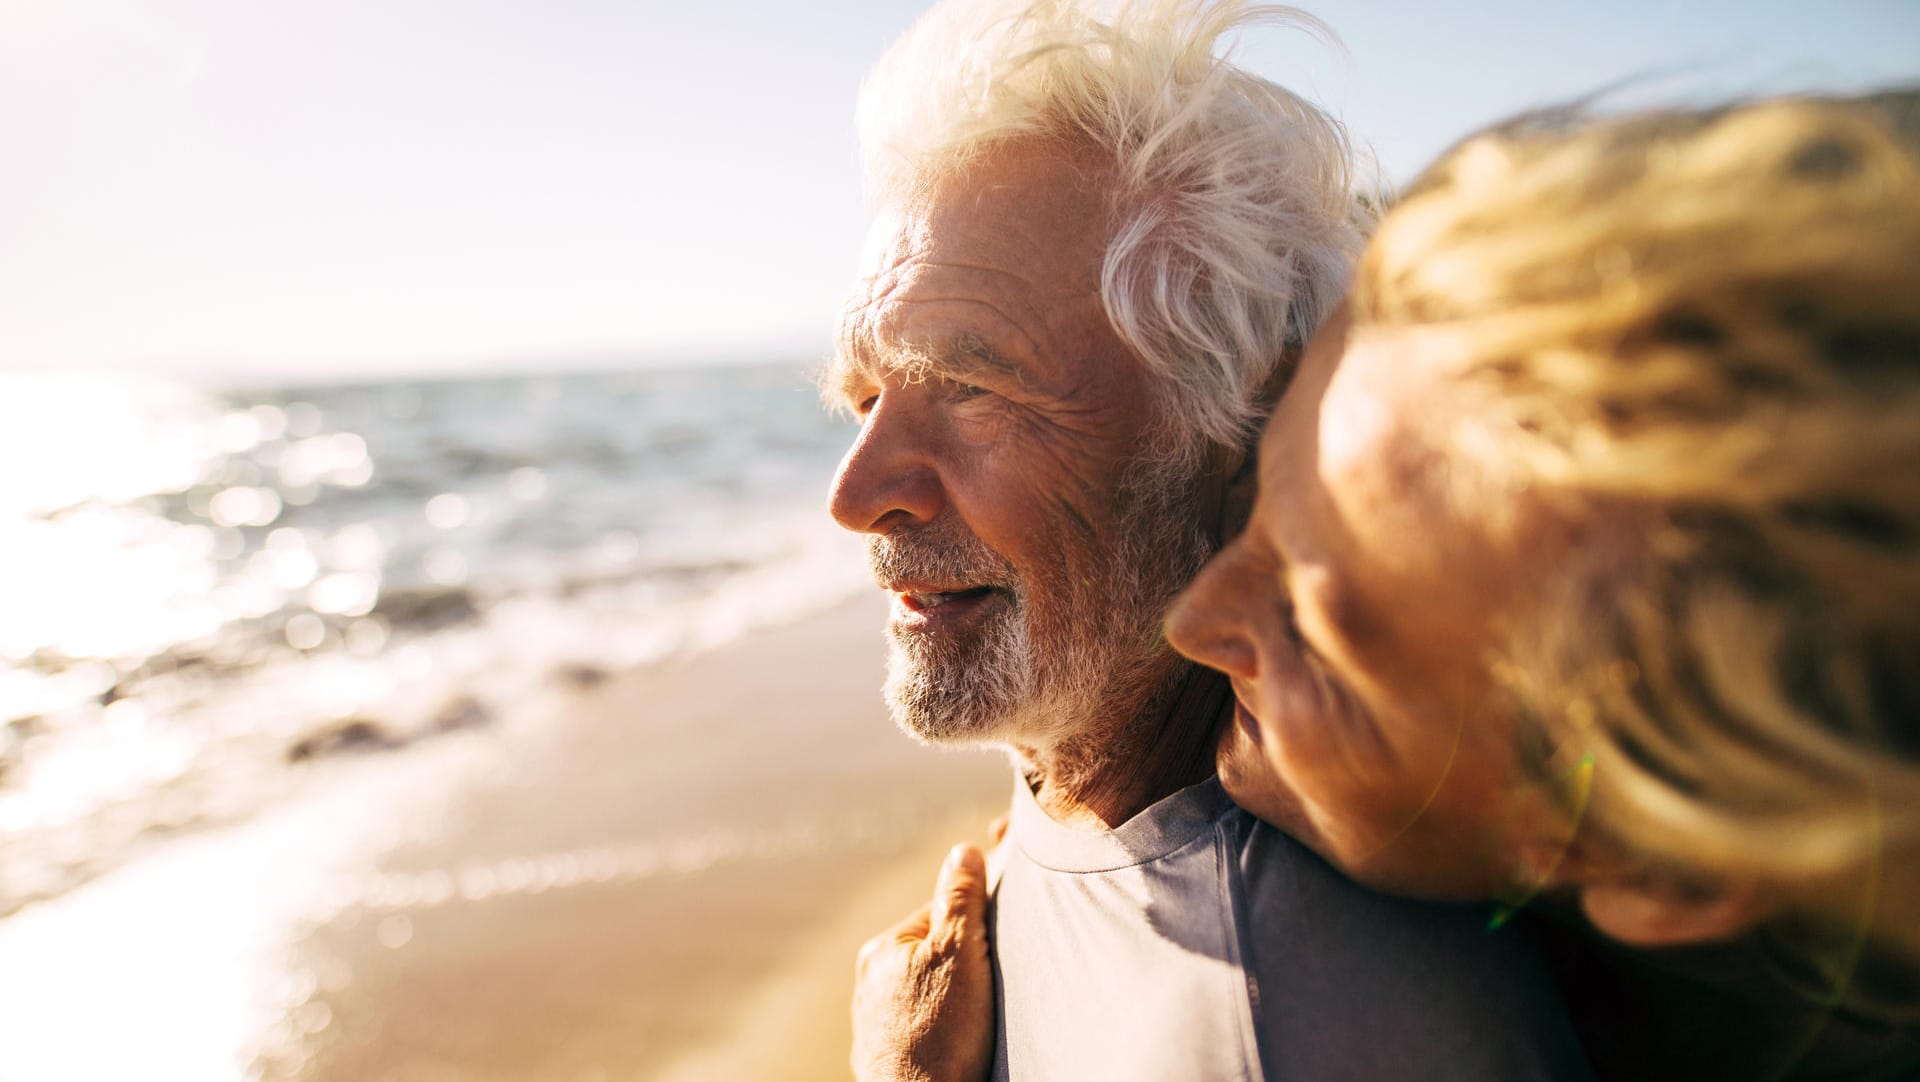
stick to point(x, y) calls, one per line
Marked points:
point(1584, 571)
point(1586, 558)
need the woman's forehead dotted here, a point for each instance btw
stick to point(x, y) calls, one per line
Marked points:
point(1357, 390)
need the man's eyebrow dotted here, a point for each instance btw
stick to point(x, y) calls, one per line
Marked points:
point(968, 356)
point(962, 357)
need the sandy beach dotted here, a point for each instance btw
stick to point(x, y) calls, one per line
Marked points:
point(666, 876)
point(820, 823)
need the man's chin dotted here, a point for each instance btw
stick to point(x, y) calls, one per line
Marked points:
point(942, 733)
point(926, 715)
point(945, 724)
point(961, 699)
point(937, 717)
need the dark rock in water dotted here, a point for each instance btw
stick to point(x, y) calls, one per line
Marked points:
point(465, 712)
point(353, 734)
point(185, 660)
point(465, 460)
point(24, 726)
point(581, 676)
point(14, 735)
point(47, 661)
point(426, 609)
point(168, 661)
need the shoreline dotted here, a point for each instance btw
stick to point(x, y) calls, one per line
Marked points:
point(665, 875)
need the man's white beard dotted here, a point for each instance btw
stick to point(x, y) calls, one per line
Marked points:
point(1096, 654)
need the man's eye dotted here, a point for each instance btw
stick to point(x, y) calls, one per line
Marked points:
point(866, 405)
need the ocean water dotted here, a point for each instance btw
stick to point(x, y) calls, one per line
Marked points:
point(209, 593)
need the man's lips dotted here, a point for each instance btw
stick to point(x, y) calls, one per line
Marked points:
point(929, 607)
point(920, 599)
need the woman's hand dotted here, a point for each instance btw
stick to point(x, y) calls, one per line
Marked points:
point(923, 989)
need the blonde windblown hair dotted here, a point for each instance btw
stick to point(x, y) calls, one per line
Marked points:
point(1703, 330)
point(1239, 227)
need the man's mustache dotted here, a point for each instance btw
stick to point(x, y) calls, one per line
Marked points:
point(941, 552)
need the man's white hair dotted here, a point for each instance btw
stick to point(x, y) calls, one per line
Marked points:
point(1238, 225)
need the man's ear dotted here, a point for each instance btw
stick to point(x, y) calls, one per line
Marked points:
point(1654, 911)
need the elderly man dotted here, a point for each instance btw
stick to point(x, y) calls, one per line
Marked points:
point(1098, 251)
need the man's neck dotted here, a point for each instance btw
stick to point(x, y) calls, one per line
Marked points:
point(1102, 778)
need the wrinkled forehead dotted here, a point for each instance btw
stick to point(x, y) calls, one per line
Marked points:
point(923, 316)
point(994, 264)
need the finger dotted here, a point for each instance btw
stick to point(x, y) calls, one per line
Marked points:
point(959, 909)
point(997, 830)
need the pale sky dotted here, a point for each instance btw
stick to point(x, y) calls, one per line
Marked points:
point(309, 188)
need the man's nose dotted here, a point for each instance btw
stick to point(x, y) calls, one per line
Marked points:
point(890, 476)
point(1208, 621)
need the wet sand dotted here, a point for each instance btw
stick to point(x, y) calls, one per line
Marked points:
point(670, 883)
point(662, 876)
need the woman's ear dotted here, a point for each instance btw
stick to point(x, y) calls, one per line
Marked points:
point(1653, 911)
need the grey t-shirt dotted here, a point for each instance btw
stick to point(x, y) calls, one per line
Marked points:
point(1196, 942)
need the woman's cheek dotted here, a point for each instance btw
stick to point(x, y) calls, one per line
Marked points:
point(1293, 709)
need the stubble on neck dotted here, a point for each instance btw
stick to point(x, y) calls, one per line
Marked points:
point(1105, 774)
